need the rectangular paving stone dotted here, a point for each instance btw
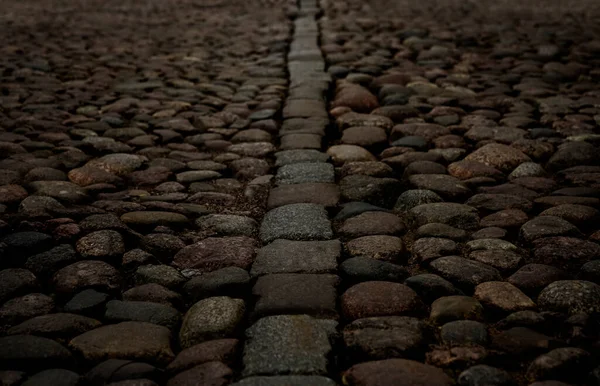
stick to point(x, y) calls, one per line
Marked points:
point(305, 172)
point(324, 194)
point(287, 256)
point(288, 344)
point(293, 293)
point(287, 157)
point(300, 141)
point(296, 222)
point(304, 108)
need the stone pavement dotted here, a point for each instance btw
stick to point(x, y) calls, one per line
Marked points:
point(281, 193)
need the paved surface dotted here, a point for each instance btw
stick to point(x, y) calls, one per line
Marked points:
point(315, 193)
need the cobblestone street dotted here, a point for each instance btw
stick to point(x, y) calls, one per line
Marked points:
point(311, 193)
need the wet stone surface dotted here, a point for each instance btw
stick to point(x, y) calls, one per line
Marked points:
point(306, 192)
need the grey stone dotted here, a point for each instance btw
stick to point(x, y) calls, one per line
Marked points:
point(288, 344)
point(286, 256)
point(212, 318)
point(463, 272)
point(464, 333)
point(227, 225)
point(571, 297)
point(296, 222)
point(121, 311)
point(456, 215)
point(230, 281)
point(412, 198)
point(299, 173)
point(288, 157)
point(480, 375)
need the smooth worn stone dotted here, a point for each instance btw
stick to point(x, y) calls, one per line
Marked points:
point(87, 302)
point(119, 164)
point(21, 244)
point(385, 337)
point(573, 154)
point(89, 175)
point(351, 119)
point(288, 344)
point(214, 253)
point(464, 273)
point(485, 375)
point(522, 341)
point(340, 154)
point(56, 326)
point(227, 225)
point(299, 173)
point(566, 363)
point(412, 198)
point(63, 191)
point(532, 278)
point(430, 286)
point(141, 311)
point(395, 372)
point(46, 263)
point(296, 222)
point(117, 371)
point(380, 247)
point(220, 350)
point(354, 96)
point(449, 308)
point(101, 245)
point(162, 245)
point(359, 269)
point(288, 157)
point(528, 169)
point(25, 307)
point(325, 194)
point(579, 215)
point(547, 226)
point(502, 157)
point(429, 131)
point(489, 233)
point(12, 193)
point(379, 298)
point(308, 294)
point(502, 296)
point(28, 352)
point(465, 170)
point(287, 380)
point(15, 282)
point(376, 191)
point(372, 223)
point(428, 248)
point(464, 333)
point(287, 256)
point(210, 373)
point(564, 251)
point(522, 319)
point(154, 293)
point(456, 215)
point(496, 202)
point(54, 377)
point(373, 169)
point(39, 206)
point(355, 208)
point(500, 259)
point(590, 271)
point(442, 184)
point(490, 244)
point(509, 218)
point(570, 297)
point(412, 141)
point(196, 175)
point(230, 281)
point(127, 340)
point(441, 231)
point(212, 318)
point(252, 149)
point(364, 136)
point(153, 218)
point(86, 274)
point(164, 275)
